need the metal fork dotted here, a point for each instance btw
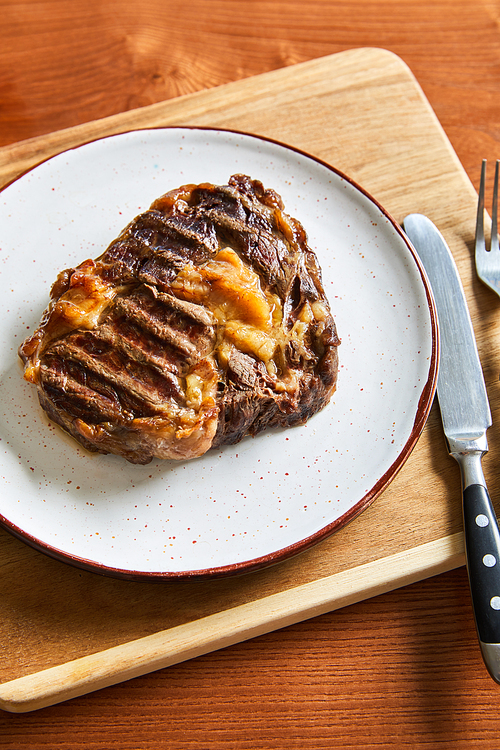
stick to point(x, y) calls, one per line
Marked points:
point(488, 261)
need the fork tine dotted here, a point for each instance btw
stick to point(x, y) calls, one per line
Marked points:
point(488, 259)
point(480, 243)
point(494, 214)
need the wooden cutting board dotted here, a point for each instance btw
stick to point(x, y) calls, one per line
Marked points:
point(65, 632)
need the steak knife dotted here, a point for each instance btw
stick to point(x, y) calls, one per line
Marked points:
point(466, 416)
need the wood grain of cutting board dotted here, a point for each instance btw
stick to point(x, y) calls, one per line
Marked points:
point(65, 632)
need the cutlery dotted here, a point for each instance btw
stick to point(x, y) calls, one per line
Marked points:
point(488, 261)
point(465, 414)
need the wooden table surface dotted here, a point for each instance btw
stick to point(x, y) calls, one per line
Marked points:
point(401, 670)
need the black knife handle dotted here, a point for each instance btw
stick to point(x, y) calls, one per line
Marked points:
point(482, 549)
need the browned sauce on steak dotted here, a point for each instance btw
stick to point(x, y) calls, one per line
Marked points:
point(203, 322)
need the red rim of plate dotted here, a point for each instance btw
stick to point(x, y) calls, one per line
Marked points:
point(258, 563)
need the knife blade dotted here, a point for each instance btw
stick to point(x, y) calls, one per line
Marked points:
point(466, 416)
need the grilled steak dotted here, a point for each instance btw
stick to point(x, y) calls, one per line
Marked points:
point(203, 322)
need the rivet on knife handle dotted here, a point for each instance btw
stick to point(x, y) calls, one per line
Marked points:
point(466, 416)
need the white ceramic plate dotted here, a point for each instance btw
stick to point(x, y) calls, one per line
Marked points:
point(245, 506)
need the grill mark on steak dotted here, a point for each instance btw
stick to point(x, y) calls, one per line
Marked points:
point(151, 372)
point(136, 343)
point(144, 384)
point(80, 400)
point(173, 240)
point(145, 319)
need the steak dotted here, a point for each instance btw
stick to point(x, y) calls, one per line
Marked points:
point(205, 321)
